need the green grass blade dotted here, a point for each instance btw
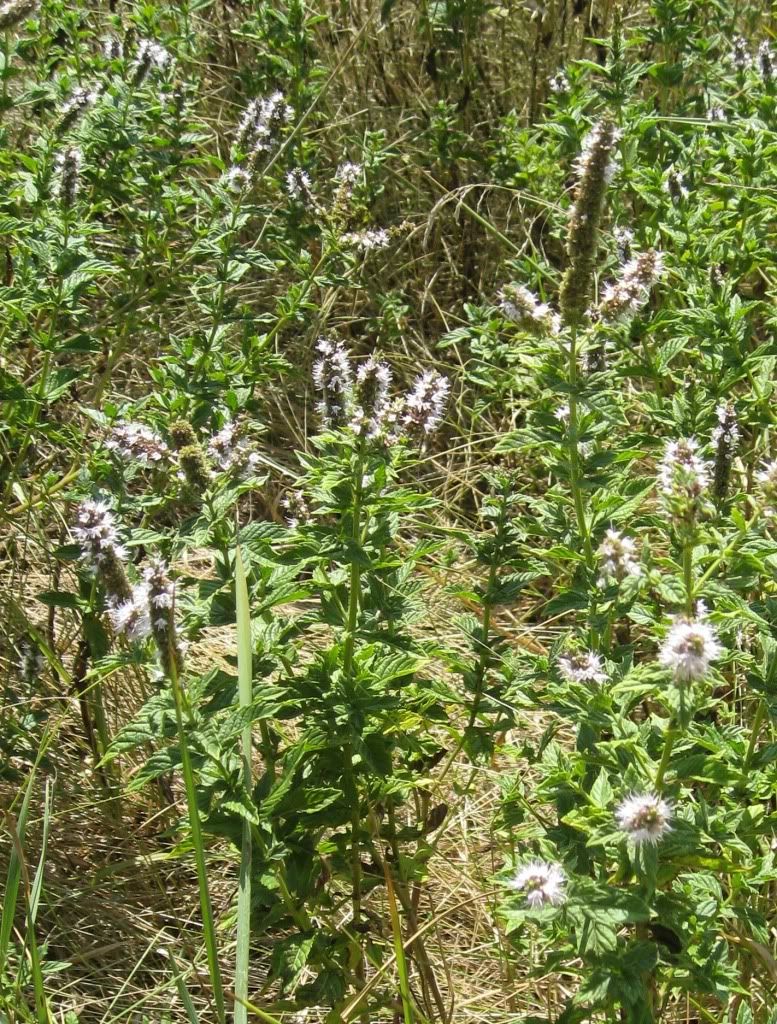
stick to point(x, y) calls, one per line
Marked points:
point(399, 949)
point(37, 885)
point(245, 673)
point(183, 991)
point(206, 908)
point(14, 875)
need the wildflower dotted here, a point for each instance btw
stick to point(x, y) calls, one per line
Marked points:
point(68, 169)
point(31, 661)
point(683, 479)
point(333, 377)
point(631, 291)
point(424, 405)
point(595, 167)
point(161, 609)
point(232, 451)
point(372, 238)
point(75, 107)
point(725, 437)
point(767, 478)
point(765, 59)
point(582, 667)
point(675, 184)
point(644, 818)
point(131, 617)
point(150, 56)
point(562, 413)
point(740, 55)
point(618, 558)
point(113, 48)
point(95, 531)
point(370, 398)
point(542, 882)
point(623, 240)
point(349, 173)
point(135, 442)
point(296, 507)
point(262, 122)
point(236, 179)
point(14, 11)
point(689, 648)
point(522, 307)
point(716, 113)
point(558, 83)
point(299, 185)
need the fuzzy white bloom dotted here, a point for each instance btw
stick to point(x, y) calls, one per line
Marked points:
point(132, 618)
point(232, 452)
point(716, 113)
point(333, 377)
point(299, 185)
point(372, 238)
point(618, 555)
point(295, 505)
point(582, 667)
point(78, 103)
point(562, 413)
point(236, 179)
point(644, 818)
point(135, 442)
point(591, 143)
point(689, 648)
point(424, 405)
point(675, 184)
point(95, 530)
point(31, 662)
point(624, 238)
point(67, 182)
point(767, 478)
point(371, 398)
point(150, 56)
point(349, 173)
point(682, 470)
point(740, 55)
point(727, 430)
point(542, 883)
point(113, 48)
point(765, 58)
point(558, 83)
point(625, 297)
point(522, 307)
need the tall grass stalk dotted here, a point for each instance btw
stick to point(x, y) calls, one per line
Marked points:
point(244, 669)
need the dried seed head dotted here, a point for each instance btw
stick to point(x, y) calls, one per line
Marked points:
point(595, 168)
point(191, 459)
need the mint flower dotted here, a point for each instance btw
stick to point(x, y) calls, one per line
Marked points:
point(644, 819)
point(542, 883)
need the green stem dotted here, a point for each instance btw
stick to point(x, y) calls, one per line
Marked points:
point(758, 721)
point(206, 908)
point(669, 742)
point(688, 577)
point(727, 551)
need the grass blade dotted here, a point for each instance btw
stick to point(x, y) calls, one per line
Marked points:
point(14, 874)
point(245, 673)
point(399, 949)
